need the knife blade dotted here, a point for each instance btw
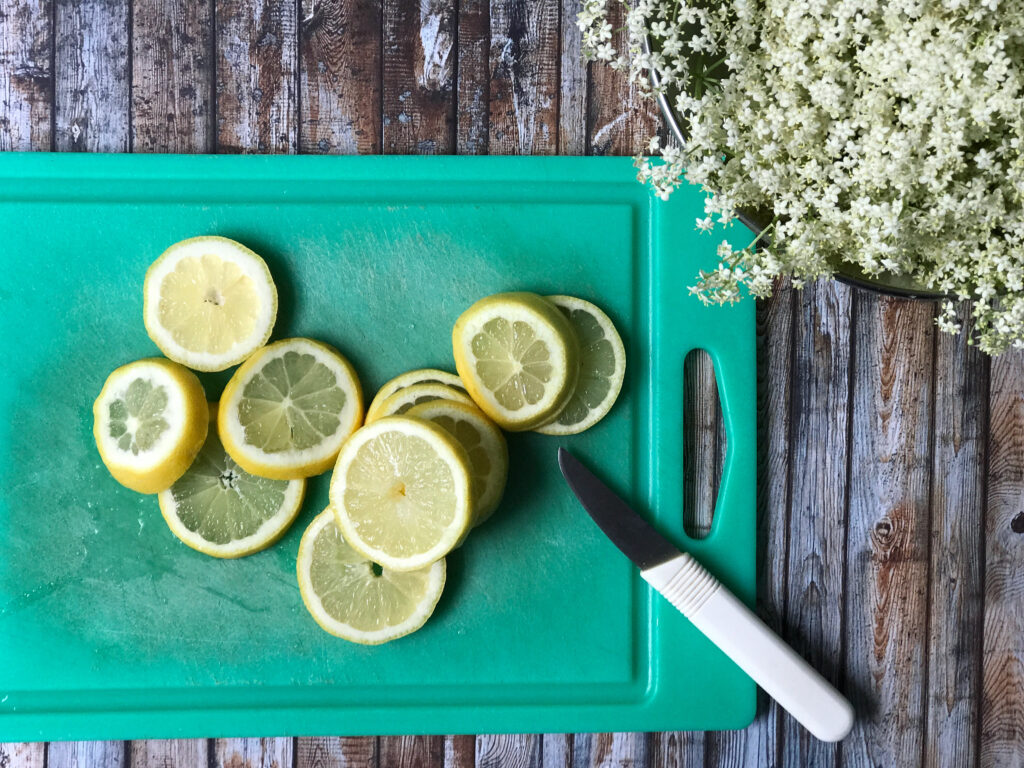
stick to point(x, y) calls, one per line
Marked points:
point(713, 609)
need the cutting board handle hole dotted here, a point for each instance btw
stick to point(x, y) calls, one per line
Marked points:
point(704, 443)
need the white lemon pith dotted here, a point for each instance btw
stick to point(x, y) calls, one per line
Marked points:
point(209, 303)
point(219, 509)
point(484, 445)
point(351, 597)
point(407, 379)
point(401, 491)
point(405, 398)
point(149, 421)
point(602, 368)
point(518, 358)
point(286, 411)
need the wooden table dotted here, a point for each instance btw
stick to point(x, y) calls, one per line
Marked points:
point(891, 484)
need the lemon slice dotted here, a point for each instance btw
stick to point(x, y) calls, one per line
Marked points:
point(209, 303)
point(287, 410)
point(401, 401)
point(401, 490)
point(484, 444)
point(518, 357)
point(419, 376)
point(602, 368)
point(353, 597)
point(218, 508)
point(149, 421)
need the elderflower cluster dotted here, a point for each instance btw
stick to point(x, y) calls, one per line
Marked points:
point(887, 134)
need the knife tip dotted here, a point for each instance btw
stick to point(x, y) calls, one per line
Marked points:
point(563, 457)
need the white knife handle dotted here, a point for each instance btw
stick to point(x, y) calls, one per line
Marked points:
point(758, 651)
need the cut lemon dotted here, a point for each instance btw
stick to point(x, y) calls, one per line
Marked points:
point(287, 410)
point(518, 357)
point(353, 597)
point(419, 376)
point(209, 303)
point(602, 368)
point(484, 444)
point(401, 401)
point(401, 490)
point(218, 508)
point(149, 421)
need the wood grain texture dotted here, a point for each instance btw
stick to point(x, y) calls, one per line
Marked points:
point(86, 754)
point(340, 76)
point(556, 750)
point(170, 753)
point(252, 753)
point(22, 755)
point(888, 529)
point(473, 79)
point(172, 76)
point(419, 76)
point(257, 76)
point(92, 94)
point(572, 95)
point(26, 75)
point(331, 752)
point(510, 751)
point(1002, 696)
point(411, 751)
point(678, 749)
point(611, 750)
point(957, 541)
point(524, 77)
point(459, 751)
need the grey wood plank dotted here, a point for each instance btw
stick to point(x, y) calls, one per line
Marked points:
point(22, 755)
point(252, 753)
point(572, 96)
point(619, 121)
point(86, 754)
point(335, 752)
point(760, 744)
point(172, 76)
point(169, 753)
point(411, 751)
point(679, 749)
point(813, 622)
point(1002, 697)
point(92, 94)
point(257, 76)
point(473, 77)
point(524, 77)
point(419, 76)
point(459, 751)
point(26, 75)
point(508, 751)
point(887, 553)
point(340, 76)
point(611, 750)
point(958, 504)
point(556, 750)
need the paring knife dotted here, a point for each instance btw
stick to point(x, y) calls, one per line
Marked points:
point(713, 609)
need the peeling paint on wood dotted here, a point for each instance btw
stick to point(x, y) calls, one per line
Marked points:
point(26, 75)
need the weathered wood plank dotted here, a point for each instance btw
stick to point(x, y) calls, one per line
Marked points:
point(619, 121)
point(459, 751)
point(760, 744)
point(333, 752)
point(572, 96)
point(26, 75)
point(22, 755)
point(419, 77)
point(556, 750)
point(524, 77)
point(93, 89)
point(257, 76)
point(473, 87)
point(170, 753)
point(813, 622)
point(86, 754)
point(611, 750)
point(958, 504)
point(340, 75)
point(887, 552)
point(252, 753)
point(678, 749)
point(172, 76)
point(508, 751)
point(411, 751)
point(1002, 697)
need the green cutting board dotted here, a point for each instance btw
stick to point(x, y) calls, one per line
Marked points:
point(111, 628)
